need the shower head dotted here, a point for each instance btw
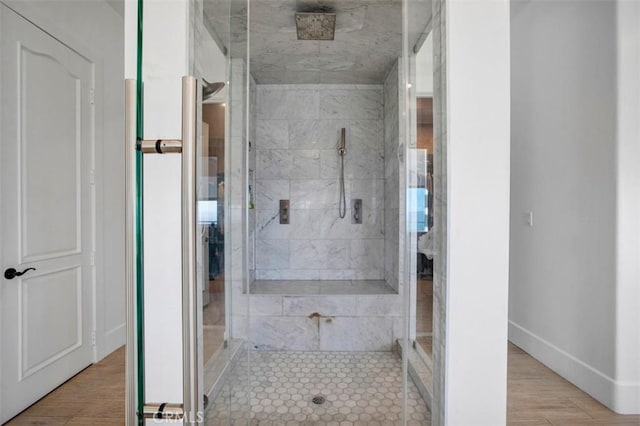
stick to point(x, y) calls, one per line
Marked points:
point(210, 89)
point(316, 25)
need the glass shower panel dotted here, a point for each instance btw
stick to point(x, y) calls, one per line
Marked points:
point(211, 68)
point(219, 51)
point(211, 222)
point(312, 318)
point(329, 295)
point(422, 152)
point(135, 392)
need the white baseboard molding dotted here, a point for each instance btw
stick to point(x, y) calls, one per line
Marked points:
point(621, 397)
point(114, 338)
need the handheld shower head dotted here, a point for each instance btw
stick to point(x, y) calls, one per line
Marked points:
point(342, 149)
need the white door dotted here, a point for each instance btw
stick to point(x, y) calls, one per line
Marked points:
point(46, 212)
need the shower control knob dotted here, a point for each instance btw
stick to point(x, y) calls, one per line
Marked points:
point(284, 212)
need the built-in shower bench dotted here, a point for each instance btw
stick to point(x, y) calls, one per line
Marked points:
point(324, 315)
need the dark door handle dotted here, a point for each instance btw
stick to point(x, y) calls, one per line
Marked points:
point(11, 273)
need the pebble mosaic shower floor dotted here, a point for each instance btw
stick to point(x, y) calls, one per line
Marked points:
point(359, 388)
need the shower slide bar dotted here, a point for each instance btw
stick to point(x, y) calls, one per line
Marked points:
point(186, 146)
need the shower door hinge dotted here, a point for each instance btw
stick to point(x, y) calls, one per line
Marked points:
point(92, 97)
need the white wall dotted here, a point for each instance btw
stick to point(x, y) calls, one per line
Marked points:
point(165, 60)
point(97, 31)
point(477, 96)
point(574, 274)
point(628, 209)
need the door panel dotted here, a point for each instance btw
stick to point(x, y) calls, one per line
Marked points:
point(49, 103)
point(63, 319)
point(47, 214)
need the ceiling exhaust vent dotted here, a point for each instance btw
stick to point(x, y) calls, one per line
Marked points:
point(315, 25)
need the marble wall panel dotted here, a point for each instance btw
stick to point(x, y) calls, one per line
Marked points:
point(333, 227)
point(304, 134)
point(239, 267)
point(314, 193)
point(273, 164)
point(391, 173)
point(379, 305)
point(319, 254)
point(305, 164)
point(297, 160)
point(285, 333)
point(352, 104)
point(240, 326)
point(240, 303)
point(352, 274)
point(368, 134)
point(323, 305)
point(303, 224)
point(268, 193)
point(359, 163)
point(272, 254)
point(329, 133)
point(323, 322)
point(356, 334)
point(266, 305)
point(272, 134)
point(288, 274)
point(366, 254)
point(288, 164)
point(273, 103)
point(371, 190)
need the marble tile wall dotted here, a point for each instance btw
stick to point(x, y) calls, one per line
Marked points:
point(440, 205)
point(297, 135)
point(239, 219)
point(391, 177)
point(325, 323)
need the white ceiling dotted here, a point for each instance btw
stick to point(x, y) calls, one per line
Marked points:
point(368, 38)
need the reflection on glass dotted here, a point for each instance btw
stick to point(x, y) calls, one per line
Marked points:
point(424, 224)
point(211, 222)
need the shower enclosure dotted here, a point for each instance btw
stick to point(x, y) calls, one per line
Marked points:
point(282, 218)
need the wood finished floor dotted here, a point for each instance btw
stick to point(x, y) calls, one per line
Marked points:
point(93, 397)
point(537, 396)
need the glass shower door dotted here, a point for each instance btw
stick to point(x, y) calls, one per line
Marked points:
point(217, 27)
point(180, 266)
point(324, 295)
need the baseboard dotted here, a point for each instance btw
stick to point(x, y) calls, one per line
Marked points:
point(621, 397)
point(114, 338)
